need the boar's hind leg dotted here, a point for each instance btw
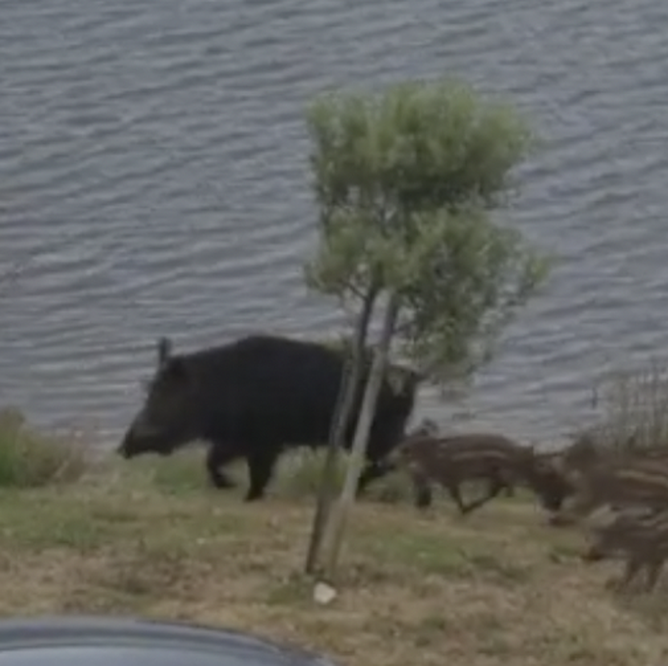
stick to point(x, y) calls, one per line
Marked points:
point(260, 470)
point(372, 470)
point(218, 456)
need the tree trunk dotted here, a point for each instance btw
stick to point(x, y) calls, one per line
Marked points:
point(373, 385)
point(349, 382)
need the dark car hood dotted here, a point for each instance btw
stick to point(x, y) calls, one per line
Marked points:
point(73, 640)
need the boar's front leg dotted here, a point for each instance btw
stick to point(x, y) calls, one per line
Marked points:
point(496, 485)
point(453, 488)
point(218, 456)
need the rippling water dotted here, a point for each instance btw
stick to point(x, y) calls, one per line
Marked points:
point(153, 180)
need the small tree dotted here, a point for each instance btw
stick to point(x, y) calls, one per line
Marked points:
point(405, 183)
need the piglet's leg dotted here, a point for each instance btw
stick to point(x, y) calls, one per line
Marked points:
point(496, 485)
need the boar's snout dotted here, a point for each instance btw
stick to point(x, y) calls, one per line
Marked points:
point(138, 439)
point(142, 438)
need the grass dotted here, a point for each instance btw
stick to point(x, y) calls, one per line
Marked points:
point(422, 589)
point(149, 537)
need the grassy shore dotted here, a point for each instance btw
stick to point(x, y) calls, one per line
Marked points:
point(148, 537)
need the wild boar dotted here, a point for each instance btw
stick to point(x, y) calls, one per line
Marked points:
point(453, 460)
point(255, 397)
point(628, 482)
point(641, 539)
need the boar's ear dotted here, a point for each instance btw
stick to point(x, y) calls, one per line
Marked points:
point(164, 351)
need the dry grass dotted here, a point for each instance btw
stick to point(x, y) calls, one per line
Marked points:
point(148, 537)
point(30, 459)
point(632, 409)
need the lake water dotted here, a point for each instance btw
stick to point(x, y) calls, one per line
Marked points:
point(154, 181)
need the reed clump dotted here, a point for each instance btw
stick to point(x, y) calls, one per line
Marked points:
point(633, 408)
point(31, 459)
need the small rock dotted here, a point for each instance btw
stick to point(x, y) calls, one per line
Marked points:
point(323, 593)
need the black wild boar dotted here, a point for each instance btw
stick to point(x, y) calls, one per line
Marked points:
point(626, 482)
point(255, 397)
point(451, 461)
point(641, 539)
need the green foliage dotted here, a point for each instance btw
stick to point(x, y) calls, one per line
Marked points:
point(467, 281)
point(29, 459)
point(405, 182)
point(396, 374)
point(418, 146)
